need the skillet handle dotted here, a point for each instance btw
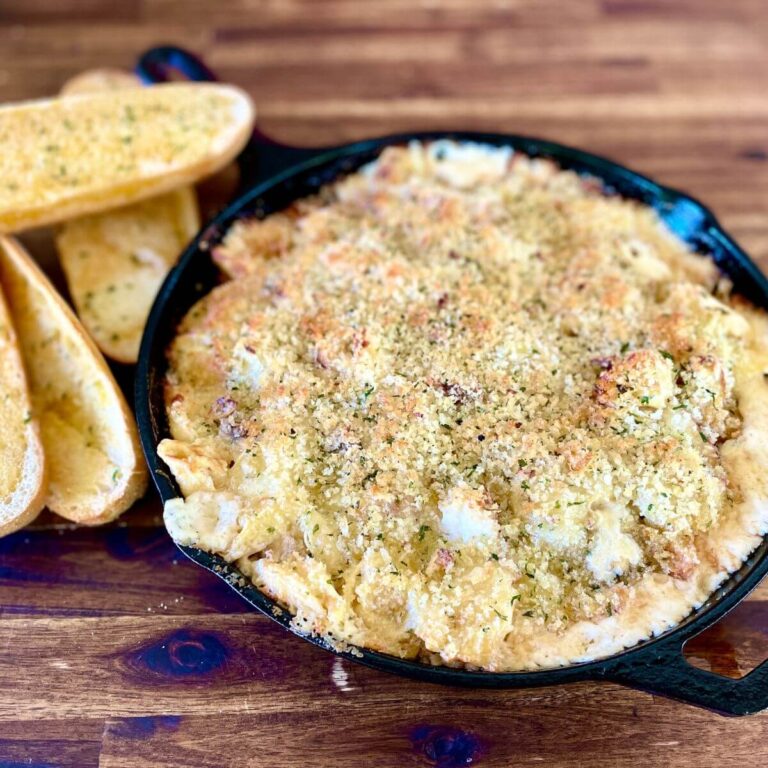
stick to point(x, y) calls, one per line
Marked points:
point(663, 670)
point(262, 157)
point(157, 64)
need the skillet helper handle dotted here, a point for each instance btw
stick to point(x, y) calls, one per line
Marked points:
point(665, 671)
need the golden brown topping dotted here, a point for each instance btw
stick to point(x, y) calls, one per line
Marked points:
point(482, 395)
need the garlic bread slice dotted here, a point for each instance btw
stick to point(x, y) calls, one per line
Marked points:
point(76, 155)
point(95, 467)
point(115, 261)
point(22, 460)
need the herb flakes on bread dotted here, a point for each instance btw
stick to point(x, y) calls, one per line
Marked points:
point(82, 154)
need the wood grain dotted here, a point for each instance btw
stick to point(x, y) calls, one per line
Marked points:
point(116, 651)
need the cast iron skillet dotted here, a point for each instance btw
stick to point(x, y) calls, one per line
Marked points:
point(272, 176)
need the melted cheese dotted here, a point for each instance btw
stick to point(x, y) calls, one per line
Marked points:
point(467, 516)
point(613, 552)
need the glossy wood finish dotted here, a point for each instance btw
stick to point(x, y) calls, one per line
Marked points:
point(114, 651)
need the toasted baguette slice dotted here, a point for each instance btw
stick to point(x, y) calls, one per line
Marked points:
point(22, 461)
point(115, 261)
point(96, 470)
point(72, 156)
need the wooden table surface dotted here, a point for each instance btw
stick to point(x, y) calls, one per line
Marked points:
point(115, 651)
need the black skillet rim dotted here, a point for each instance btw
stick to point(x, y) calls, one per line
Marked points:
point(305, 170)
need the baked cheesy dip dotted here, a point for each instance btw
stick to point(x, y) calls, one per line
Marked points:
point(467, 407)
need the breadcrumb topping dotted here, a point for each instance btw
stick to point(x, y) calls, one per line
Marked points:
point(458, 397)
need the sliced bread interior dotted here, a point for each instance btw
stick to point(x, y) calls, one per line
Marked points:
point(22, 460)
